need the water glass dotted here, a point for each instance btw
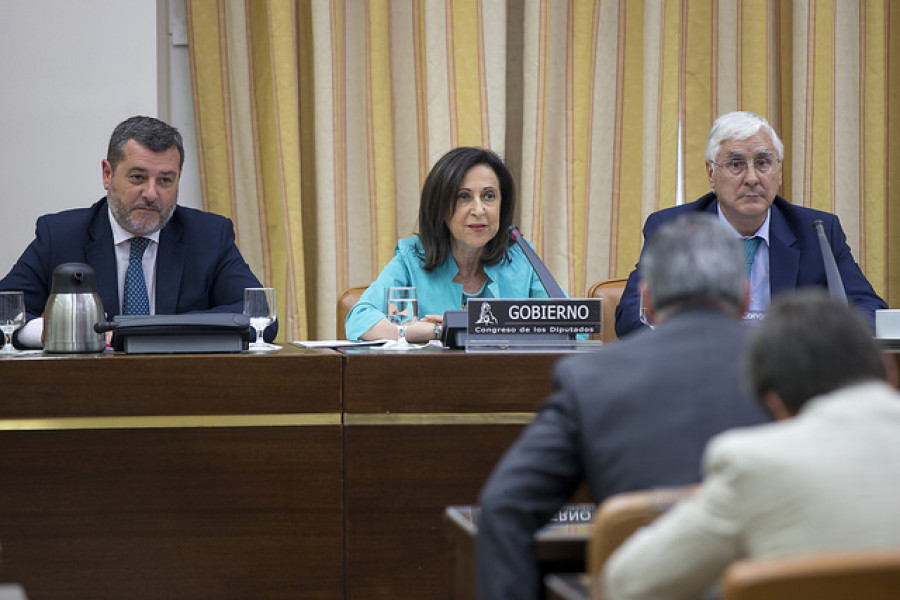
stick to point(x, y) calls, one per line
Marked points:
point(643, 310)
point(12, 316)
point(259, 307)
point(402, 311)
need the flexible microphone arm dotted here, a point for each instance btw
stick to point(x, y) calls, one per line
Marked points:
point(543, 273)
point(832, 275)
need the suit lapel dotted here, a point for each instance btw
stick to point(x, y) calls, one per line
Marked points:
point(784, 256)
point(169, 266)
point(100, 254)
point(708, 203)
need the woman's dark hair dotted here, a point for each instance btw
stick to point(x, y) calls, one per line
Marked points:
point(439, 201)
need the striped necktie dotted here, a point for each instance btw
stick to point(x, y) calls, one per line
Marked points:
point(135, 297)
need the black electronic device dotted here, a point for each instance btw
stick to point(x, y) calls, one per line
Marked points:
point(454, 328)
point(185, 333)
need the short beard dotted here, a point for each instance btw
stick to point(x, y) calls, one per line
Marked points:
point(123, 217)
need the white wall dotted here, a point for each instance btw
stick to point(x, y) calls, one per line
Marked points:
point(70, 72)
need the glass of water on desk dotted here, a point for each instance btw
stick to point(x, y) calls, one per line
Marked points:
point(259, 307)
point(402, 311)
point(12, 316)
point(642, 312)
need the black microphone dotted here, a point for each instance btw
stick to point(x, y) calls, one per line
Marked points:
point(543, 273)
point(832, 275)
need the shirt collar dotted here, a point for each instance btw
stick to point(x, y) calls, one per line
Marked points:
point(762, 232)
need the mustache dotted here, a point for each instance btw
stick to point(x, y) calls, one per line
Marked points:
point(146, 206)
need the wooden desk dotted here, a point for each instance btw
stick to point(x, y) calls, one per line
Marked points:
point(172, 476)
point(423, 431)
point(244, 476)
point(560, 547)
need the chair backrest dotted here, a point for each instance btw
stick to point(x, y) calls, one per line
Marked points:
point(345, 302)
point(610, 290)
point(873, 575)
point(621, 515)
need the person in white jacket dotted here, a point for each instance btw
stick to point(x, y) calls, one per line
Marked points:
point(823, 477)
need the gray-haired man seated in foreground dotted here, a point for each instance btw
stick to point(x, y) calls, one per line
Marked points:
point(635, 414)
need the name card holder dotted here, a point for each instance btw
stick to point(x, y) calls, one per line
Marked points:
point(532, 324)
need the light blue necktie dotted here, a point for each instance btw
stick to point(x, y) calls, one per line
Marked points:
point(750, 246)
point(135, 297)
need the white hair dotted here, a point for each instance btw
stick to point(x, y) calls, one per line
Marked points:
point(739, 125)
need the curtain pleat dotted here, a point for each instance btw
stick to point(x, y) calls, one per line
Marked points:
point(318, 121)
point(889, 17)
point(378, 135)
point(704, 38)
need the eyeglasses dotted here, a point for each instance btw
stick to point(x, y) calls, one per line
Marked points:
point(736, 166)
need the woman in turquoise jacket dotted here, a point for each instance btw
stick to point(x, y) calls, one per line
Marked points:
point(463, 249)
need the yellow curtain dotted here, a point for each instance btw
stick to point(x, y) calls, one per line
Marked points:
point(244, 68)
point(318, 120)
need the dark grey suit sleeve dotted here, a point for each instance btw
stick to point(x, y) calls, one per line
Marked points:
point(536, 476)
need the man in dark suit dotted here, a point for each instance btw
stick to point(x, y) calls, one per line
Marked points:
point(633, 415)
point(743, 164)
point(189, 260)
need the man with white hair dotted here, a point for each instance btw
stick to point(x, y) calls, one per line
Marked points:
point(743, 164)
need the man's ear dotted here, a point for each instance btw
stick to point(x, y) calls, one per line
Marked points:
point(775, 405)
point(107, 173)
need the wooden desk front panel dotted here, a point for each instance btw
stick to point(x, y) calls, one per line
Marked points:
point(422, 431)
point(175, 384)
point(213, 513)
point(399, 480)
point(445, 382)
point(172, 476)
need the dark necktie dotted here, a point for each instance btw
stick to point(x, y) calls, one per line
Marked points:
point(135, 297)
point(750, 246)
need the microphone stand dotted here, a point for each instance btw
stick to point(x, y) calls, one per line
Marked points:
point(543, 273)
point(453, 333)
point(832, 274)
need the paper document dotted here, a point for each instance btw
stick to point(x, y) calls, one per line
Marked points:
point(337, 343)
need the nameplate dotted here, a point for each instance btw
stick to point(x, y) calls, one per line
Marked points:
point(574, 514)
point(494, 318)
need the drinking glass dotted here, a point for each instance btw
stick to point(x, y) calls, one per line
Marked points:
point(12, 316)
point(402, 311)
point(259, 306)
point(643, 312)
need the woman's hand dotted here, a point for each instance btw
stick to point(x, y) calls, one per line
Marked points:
point(424, 330)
